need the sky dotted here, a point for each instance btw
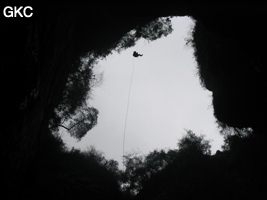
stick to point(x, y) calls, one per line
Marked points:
point(166, 98)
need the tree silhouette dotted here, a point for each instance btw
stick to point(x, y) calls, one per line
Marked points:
point(72, 113)
point(151, 31)
point(139, 169)
point(142, 171)
point(83, 120)
point(71, 174)
point(132, 176)
point(194, 144)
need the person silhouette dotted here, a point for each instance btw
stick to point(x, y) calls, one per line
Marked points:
point(135, 54)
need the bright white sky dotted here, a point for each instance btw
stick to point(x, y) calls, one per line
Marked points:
point(166, 98)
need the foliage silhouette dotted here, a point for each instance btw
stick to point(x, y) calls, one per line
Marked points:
point(194, 144)
point(71, 174)
point(153, 30)
point(235, 172)
point(190, 171)
point(73, 109)
point(140, 170)
point(83, 120)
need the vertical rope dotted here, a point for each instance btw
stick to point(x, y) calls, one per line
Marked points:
point(127, 110)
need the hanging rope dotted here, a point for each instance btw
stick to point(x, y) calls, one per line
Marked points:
point(127, 110)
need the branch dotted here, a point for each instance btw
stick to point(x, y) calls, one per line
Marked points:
point(61, 125)
point(75, 124)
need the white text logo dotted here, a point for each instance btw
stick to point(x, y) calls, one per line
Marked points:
point(18, 12)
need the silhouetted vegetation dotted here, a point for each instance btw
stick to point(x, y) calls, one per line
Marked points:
point(58, 173)
point(151, 31)
point(73, 109)
point(191, 172)
point(140, 170)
